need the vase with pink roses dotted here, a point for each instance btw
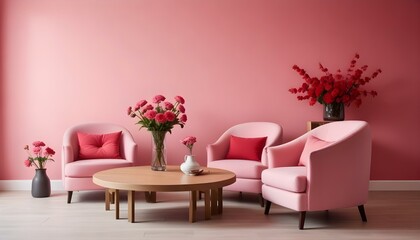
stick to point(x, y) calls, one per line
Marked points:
point(159, 117)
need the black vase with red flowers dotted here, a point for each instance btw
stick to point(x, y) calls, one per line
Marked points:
point(335, 91)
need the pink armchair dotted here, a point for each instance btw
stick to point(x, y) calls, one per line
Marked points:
point(248, 172)
point(326, 168)
point(76, 172)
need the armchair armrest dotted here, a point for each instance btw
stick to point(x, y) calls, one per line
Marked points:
point(130, 152)
point(216, 151)
point(67, 155)
point(286, 154)
point(338, 176)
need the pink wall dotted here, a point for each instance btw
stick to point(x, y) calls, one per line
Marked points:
point(68, 62)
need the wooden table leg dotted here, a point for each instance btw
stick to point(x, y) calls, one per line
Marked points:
point(220, 200)
point(150, 197)
point(193, 206)
point(131, 208)
point(213, 196)
point(117, 203)
point(216, 196)
point(107, 196)
point(207, 207)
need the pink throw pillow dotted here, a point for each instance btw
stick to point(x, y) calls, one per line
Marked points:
point(246, 148)
point(93, 146)
point(312, 144)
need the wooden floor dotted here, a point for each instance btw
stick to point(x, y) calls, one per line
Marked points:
point(391, 215)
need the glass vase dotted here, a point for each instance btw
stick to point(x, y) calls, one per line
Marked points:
point(334, 112)
point(158, 151)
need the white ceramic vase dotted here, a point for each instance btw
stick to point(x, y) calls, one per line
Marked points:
point(189, 165)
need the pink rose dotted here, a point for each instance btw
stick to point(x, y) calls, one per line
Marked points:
point(180, 99)
point(36, 150)
point(158, 99)
point(183, 118)
point(141, 103)
point(160, 118)
point(170, 116)
point(129, 110)
point(148, 107)
point(190, 140)
point(181, 108)
point(27, 163)
point(168, 105)
point(38, 144)
point(150, 114)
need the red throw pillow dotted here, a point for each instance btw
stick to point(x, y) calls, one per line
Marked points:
point(93, 146)
point(312, 144)
point(246, 148)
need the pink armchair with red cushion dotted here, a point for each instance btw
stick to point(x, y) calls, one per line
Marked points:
point(326, 168)
point(242, 150)
point(93, 147)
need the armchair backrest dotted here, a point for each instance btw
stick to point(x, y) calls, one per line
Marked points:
point(272, 131)
point(70, 135)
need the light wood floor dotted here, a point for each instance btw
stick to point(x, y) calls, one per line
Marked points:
point(391, 215)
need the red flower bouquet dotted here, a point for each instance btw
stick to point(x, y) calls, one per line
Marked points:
point(335, 88)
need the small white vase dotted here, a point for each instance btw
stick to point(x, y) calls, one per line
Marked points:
point(189, 165)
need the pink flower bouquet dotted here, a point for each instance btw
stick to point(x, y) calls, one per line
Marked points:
point(41, 155)
point(161, 117)
point(189, 142)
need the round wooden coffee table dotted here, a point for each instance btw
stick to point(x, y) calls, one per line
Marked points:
point(142, 178)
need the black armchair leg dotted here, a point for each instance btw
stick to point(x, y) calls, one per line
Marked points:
point(362, 213)
point(267, 207)
point(69, 195)
point(302, 219)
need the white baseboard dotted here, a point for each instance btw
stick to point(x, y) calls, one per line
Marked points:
point(25, 185)
point(375, 185)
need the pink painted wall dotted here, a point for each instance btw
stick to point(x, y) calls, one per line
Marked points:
point(68, 62)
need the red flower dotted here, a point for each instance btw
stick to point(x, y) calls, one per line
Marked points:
point(168, 105)
point(49, 151)
point(181, 108)
point(180, 99)
point(160, 118)
point(38, 144)
point(150, 114)
point(337, 87)
point(170, 116)
point(183, 118)
point(158, 99)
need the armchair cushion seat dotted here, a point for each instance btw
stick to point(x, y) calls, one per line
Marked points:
point(292, 179)
point(86, 168)
point(241, 168)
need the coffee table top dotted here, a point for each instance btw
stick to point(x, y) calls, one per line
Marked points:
point(142, 178)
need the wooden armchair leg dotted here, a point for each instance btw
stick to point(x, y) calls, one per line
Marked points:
point(362, 213)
